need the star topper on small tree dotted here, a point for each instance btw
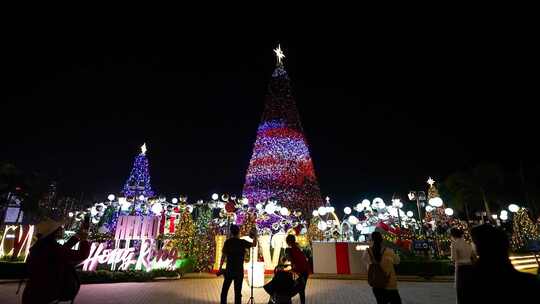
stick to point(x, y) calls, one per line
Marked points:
point(143, 149)
point(279, 54)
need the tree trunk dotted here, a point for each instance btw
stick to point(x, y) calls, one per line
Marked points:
point(466, 206)
point(525, 188)
point(486, 205)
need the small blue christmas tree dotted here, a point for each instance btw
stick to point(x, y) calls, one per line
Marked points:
point(138, 182)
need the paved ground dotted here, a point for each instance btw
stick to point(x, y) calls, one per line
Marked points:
point(205, 291)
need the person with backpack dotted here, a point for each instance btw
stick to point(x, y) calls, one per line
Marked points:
point(51, 266)
point(381, 272)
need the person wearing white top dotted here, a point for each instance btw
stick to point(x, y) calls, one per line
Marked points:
point(462, 254)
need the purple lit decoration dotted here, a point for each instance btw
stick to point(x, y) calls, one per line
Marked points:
point(281, 167)
point(138, 182)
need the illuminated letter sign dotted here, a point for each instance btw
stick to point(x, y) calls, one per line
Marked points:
point(133, 228)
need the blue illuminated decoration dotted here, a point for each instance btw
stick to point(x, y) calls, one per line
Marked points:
point(138, 182)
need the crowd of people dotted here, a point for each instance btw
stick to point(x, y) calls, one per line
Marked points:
point(483, 271)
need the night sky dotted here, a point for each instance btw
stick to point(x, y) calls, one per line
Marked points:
point(381, 111)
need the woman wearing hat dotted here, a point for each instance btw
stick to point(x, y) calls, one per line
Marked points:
point(51, 266)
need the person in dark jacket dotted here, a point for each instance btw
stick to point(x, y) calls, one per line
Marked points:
point(51, 266)
point(234, 251)
point(494, 279)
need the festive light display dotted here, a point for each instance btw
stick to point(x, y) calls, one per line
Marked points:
point(204, 243)
point(138, 182)
point(314, 233)
point(281, 167)
point(16, 240)
point(184, 237)
point(524, 230)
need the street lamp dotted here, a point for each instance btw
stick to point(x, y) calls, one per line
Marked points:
point(418, 196)
point(396, 202)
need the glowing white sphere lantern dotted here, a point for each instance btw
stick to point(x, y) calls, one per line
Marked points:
point(429, 208)
point(157, 208)
point(315, 213)
point(353, 220)
point(175, 201)
point(111, 197)
point(436, 202)
point(359, 227)
point(513, 208)
point(449, 211)
point(270, 208)
point(284, 211)
point(93, 211)
point(504, 216)
point(366, 203)
point(347, 210)
point(322, 211)
point(410, 214)
point(379, 203)
point(215, 196)
point(124, 204)
point(322, 226)
point(141, 197)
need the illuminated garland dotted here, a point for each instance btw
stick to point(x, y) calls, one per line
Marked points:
point(524, 230)
point(184, 236)
point(281, 167)
point(314, 233)
point(204, 244)
point(248, 223)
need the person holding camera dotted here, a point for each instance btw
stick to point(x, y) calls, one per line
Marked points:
point(51, 266)
point(234, 251)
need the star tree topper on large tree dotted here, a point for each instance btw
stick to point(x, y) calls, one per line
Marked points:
point(281, 167)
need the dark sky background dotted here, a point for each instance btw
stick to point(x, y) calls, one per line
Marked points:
point(382, 110)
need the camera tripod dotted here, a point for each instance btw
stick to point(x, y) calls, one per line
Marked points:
point(251, 298)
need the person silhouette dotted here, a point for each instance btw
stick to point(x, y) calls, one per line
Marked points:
point(234, 251)
point(494, 279)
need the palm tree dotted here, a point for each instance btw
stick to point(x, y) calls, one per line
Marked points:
point(480, 184)
point(487, 179)
point(461, 195)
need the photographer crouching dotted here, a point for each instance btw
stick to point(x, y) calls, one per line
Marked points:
point(234, 251)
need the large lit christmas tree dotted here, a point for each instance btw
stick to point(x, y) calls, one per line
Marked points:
point(138, 182)
point(281, 167)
